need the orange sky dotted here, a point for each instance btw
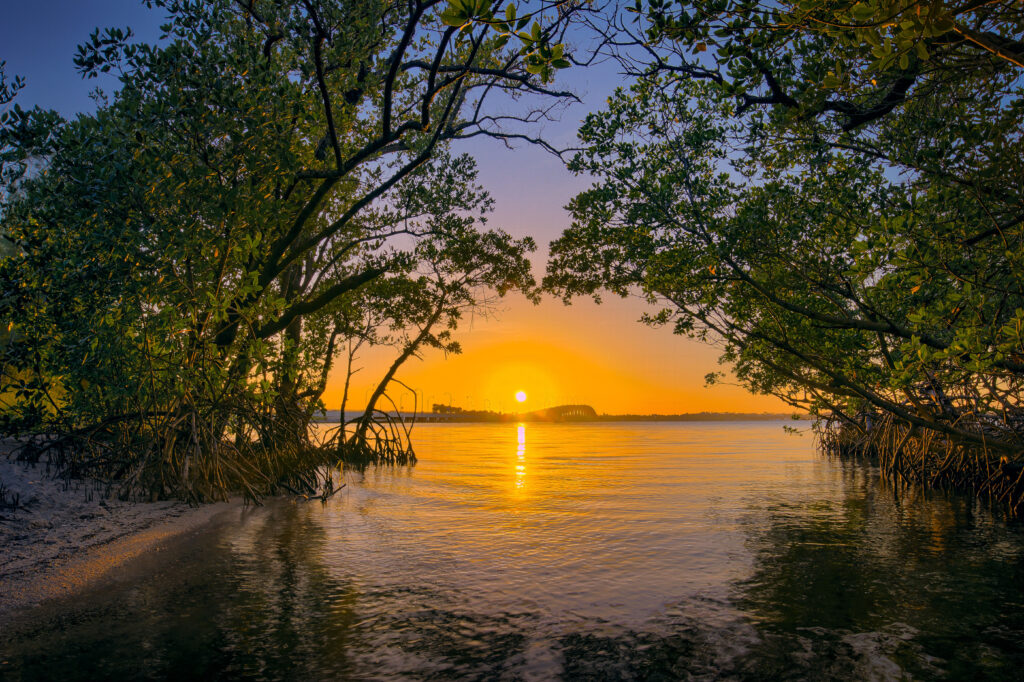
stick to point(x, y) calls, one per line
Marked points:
point(584, 353)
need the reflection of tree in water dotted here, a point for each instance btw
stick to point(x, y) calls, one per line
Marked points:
point(447, 643)
point(288, 615)
point(862, 586)
point(930, 586)
point(259, 601)
point(684, 653)
point(258, 604)
point(873, 586)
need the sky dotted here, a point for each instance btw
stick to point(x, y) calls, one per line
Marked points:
point(600, 355)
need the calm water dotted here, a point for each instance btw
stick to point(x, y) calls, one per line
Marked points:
point(606, 552)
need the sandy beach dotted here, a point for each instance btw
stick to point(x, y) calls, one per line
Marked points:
point(62, 537)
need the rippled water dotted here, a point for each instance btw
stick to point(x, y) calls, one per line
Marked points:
point(606, 552)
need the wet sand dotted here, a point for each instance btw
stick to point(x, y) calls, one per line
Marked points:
point(63, 538)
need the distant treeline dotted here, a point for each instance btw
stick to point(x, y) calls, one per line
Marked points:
point(701, 417)
point(481, 416)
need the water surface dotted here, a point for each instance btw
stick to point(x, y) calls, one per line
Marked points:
point(575, 551)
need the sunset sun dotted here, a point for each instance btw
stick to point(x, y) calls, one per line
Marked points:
point(520, 396)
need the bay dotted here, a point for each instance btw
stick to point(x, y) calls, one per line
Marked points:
point(728, 550)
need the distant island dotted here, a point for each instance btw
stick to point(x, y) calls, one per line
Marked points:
point(449, 414)
point(586, 413)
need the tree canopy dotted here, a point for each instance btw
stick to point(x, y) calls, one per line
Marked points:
point(832, 193)
point(270, 183)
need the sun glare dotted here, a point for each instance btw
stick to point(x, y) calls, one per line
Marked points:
point(520, 396)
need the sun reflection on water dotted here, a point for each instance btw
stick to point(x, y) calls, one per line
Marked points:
point(521, 458)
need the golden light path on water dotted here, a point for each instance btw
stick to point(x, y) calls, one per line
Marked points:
point(521, 457)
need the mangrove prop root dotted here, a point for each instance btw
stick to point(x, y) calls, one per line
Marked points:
point(910, 455)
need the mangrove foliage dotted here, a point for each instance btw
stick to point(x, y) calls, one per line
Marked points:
point(832, 193)
point(270, 186)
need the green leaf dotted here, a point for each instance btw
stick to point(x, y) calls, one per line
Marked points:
point(862, 11)
point(454, 17)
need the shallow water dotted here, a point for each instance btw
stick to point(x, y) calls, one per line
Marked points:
point(607, 551)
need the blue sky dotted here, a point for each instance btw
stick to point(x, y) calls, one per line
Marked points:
point(38, 41)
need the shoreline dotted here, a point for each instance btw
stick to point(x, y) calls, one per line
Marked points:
point(459, 416)
point(64, 538)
